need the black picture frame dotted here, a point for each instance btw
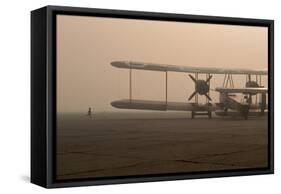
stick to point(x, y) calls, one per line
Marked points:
point(43, 94)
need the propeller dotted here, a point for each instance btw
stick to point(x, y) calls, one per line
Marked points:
point(201, 87)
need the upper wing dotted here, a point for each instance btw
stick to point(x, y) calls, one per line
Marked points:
point(242, 90)
point(189, 69)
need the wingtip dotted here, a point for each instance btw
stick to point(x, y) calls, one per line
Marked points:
point(114, 63)
point(119, 64)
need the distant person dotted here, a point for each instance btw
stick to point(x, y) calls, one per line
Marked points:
point(90, 112)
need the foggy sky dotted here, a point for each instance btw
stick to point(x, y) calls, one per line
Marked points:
point(87, 45)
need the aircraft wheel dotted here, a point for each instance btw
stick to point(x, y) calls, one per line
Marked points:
point(246, 113)
point(210, 114)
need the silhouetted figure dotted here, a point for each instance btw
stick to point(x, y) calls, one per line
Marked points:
point(90, 112)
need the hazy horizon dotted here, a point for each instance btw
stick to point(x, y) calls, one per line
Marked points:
point(87, 45)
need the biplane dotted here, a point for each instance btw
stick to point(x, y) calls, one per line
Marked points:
point(228, 104)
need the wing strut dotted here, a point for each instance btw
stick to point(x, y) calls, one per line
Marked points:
point(166, 88)
point(130, 85)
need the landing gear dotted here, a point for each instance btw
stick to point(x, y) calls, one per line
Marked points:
point(245, 115)
point(210, 114)
point(225, 110)
point(263, 103)
point(245, 112)
point(192, 114)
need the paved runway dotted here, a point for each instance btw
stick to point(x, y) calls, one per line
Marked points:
point(100, 147)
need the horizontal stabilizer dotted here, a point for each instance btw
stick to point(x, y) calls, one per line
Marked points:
point(242, 90)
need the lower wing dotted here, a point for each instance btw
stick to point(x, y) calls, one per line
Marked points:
point(161, 105)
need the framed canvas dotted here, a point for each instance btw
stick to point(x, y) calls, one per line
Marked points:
point(127, 96)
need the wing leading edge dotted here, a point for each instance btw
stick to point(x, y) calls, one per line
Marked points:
point(188, 69)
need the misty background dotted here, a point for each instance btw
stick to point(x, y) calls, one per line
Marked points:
point(87, 45)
